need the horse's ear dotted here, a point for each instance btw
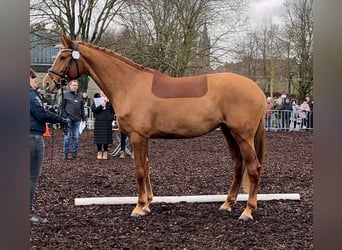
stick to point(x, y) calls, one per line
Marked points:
point(66, 42)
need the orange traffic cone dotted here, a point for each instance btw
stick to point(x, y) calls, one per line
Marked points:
point(47, 132)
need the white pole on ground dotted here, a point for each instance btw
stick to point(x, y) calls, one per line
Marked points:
point(176, 199)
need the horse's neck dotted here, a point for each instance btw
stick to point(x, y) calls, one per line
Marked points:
point(111, 74)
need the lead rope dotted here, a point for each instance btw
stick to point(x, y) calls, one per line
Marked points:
point(53, 134)
point(51, 146)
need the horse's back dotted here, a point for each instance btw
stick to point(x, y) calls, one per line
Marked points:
point(235, 89)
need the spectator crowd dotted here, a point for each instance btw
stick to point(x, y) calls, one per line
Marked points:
point(283, 113)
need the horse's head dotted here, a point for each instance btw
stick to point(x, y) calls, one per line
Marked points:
point(68, 65)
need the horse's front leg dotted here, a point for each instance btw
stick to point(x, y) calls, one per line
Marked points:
point(148, 182)
point(140, 147)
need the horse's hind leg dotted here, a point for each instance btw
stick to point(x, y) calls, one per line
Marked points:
point(145, 195)
point(237, 169)
point(253, 168)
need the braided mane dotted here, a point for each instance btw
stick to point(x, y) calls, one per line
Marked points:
point(118, 56)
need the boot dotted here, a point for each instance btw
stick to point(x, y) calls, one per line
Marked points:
point(99, 155)
point(122, 154)
point(74, 155)
point(105, 155)
point(65, 156)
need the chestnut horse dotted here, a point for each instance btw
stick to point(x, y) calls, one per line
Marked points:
point(149, 104)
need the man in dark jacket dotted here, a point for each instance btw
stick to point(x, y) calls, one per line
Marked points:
point(39, 116)
point(71, 108)
point(286, 109)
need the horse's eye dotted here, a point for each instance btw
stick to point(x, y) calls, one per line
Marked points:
point(63, 57)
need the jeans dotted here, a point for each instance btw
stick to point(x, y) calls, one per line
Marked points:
point(280, 123)
point(37, 149)
point(269, 121)
point(73, 133)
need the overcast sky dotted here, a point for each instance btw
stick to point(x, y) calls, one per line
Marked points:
point(261, 10)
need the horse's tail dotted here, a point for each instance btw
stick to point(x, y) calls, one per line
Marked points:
point(259, 146)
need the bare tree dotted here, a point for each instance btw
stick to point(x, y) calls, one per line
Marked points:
point(164, 34)
point(248, 53)
point(291, 43)
point(86, 20)
point(226, 23)
point(270, 53)
point(290, 68)
point(79, 19)
point(259, 54)
point(299, 23)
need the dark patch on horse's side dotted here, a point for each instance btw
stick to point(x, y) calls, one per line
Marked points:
point(164, 86)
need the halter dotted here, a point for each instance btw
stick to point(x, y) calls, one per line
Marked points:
point(75, 55)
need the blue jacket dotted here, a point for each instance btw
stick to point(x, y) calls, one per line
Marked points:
point(39, 116)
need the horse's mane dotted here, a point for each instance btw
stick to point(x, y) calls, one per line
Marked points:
point(118, 56)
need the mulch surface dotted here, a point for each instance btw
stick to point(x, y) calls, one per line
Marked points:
point(199, 166)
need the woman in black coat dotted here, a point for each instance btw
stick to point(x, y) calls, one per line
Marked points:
point(104, 115)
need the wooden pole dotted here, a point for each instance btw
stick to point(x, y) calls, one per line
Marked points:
point(177, 199)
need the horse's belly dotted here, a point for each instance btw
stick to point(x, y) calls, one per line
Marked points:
point(184, 128)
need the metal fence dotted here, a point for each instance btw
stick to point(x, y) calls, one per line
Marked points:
point(279, 120)
point(289, 120)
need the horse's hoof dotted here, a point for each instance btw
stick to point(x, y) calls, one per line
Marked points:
point(135, 214)
point(147, 210)
point(138, 214)
point(225, 208)
point(245, 218)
